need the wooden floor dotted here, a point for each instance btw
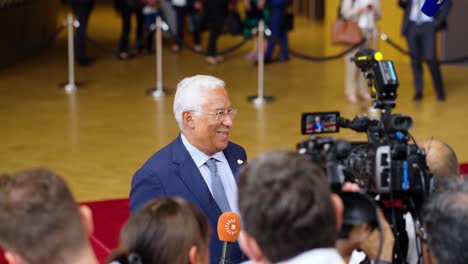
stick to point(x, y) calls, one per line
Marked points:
point(98, 136)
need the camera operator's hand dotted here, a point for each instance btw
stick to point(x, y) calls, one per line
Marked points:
point(371, 245)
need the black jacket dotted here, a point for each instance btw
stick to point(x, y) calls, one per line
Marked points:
point(440, 18)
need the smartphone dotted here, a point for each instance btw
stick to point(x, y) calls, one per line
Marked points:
point(320, 122)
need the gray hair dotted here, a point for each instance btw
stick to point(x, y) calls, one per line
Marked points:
point(190, 94)
point(445, 216)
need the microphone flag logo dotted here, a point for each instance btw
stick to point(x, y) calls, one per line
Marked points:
point(231, 227)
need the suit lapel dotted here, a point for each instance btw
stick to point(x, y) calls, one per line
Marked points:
point(189, 173)
point(233, 161)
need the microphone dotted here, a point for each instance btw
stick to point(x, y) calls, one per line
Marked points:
point(430, 7)
point(229, 227)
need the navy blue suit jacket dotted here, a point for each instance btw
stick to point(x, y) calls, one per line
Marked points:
point(172, 172)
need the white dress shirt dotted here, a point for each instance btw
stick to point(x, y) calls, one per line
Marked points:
point(417, 15)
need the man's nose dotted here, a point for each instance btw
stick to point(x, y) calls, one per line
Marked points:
point(228, 120)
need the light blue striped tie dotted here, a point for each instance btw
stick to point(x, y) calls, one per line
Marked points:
point(217, 186)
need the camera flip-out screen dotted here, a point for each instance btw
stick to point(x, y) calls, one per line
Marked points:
point(320, 122)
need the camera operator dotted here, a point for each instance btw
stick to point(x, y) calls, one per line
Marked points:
point(440, 157)
point(445, 218)
point(442, 162)
point(362, 233)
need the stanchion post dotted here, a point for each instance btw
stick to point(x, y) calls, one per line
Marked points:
point(159, 91)
point(70, 86)
point(260, 98)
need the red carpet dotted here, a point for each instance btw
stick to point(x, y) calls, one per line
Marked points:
point(109, 217)
point(464, 169)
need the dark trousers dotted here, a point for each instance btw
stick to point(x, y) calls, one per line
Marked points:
point(181, 13)
point(279, 33)
point(422, 45)
point(82, 10)
point(149, 19)
point(126, 14)
point(216, 27)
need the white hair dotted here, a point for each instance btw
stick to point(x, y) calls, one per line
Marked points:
point(190, 94)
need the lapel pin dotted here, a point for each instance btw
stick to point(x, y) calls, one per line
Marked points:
point(240, 162)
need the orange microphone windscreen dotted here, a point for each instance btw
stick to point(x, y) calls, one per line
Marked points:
point(229, 227)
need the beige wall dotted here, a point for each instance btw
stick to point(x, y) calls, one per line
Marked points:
point(390, 24)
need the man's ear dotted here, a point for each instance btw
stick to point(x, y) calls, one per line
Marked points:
point(12, 258)
point(250, 247)
point(187, 119)
point(86, 216)
point(339, 208)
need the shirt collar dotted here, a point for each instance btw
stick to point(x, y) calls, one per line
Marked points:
point(199, 157)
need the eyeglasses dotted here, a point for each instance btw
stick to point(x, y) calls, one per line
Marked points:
point(220, 114)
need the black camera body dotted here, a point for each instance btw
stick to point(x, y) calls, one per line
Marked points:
point(387, 166)
point(387, 163)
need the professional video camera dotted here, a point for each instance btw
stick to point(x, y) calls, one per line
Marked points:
point(387, 162)
point(387, 167)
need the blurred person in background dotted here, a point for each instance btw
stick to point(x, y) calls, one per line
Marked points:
point(279, 31)
point(420, 31)
point(126, 8)
point(82, 10)
point(255, 10)
point(365, 13)
point(183, 9)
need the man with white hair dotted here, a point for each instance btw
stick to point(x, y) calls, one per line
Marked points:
point(201, 164)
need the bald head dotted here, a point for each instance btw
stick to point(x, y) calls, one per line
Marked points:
point(440, 158)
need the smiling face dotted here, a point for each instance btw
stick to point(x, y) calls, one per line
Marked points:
point(203, 130)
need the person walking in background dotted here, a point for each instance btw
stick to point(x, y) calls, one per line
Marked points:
point(279, 31)
point(255, 10)
point(215, 12)
point(150, 10)
point(126, 8)
point(420, 32)
point(365, 13)
point(82, 10)
point(184, 8)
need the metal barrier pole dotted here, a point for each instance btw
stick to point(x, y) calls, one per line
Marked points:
point(70, 86)
point(159, 91)
point(260, 98)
